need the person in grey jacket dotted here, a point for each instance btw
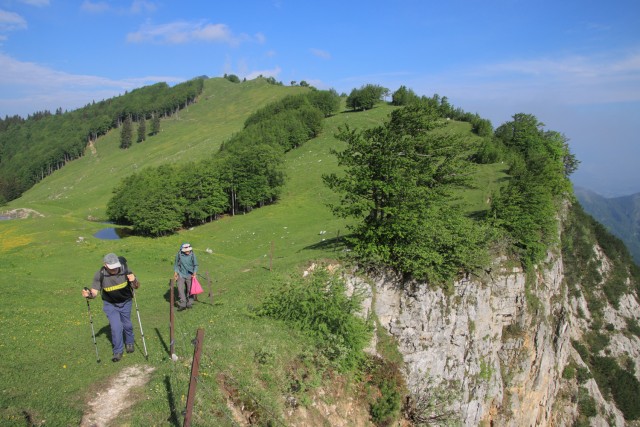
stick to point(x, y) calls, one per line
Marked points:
point(116, 283)
point(185, 268)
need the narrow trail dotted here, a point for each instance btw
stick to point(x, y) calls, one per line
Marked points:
point(107, 405)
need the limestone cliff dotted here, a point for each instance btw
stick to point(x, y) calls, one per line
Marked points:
point(493, 350)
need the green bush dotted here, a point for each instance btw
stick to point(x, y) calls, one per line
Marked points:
point(583, 374)
point(633, 327)
point(626, 392)
point(319, 306)
point(586, 403)
point(388, 384)
point(597, 341)
point(569, 372)
point(621, 384)
point(581, 349)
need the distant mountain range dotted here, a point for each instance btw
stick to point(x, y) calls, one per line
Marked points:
point(621, 216)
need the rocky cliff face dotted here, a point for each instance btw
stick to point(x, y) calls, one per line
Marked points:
point(492, 350)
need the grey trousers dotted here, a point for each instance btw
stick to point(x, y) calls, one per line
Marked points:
point(184, 291)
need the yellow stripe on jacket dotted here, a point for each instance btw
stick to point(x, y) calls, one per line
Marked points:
point(116, 287)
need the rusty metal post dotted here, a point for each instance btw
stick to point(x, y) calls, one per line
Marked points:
point(195, 367)
point(171, 319)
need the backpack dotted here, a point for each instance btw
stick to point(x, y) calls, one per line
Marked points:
point(180, 258)
point(123, 262)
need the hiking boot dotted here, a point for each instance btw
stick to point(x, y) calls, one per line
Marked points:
point(130, 348)
point(116, 357)
point(182, 308)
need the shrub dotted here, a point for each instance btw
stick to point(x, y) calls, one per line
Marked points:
point(633, 327)
point(318, 305)
point(583, 374)
point(586, 403)
point(569, 372)
point(385, 376)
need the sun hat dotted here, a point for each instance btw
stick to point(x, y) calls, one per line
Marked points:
point(185, 247)
point(111, 261)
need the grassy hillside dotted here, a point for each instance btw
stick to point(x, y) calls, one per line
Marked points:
point(48, 370)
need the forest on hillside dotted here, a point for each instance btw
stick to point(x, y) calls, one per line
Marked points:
point(33, 148)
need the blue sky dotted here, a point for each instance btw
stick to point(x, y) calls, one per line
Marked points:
point(575, 65)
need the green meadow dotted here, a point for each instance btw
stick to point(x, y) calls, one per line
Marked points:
point(48, 368)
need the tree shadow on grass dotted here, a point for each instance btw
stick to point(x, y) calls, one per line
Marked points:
point(479, 214)
point(335, 244)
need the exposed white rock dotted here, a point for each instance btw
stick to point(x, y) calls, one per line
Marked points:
point(499, 344)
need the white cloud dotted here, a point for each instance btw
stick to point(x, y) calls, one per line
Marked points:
point(29, 87)
point(38, 3)
point(94, 7)
point(10, 21)
point(264, 73)
point(181, 32)
point(572, 67)
point(141, 6)
point(572, 80)
point(321, 53)
point(137, 7)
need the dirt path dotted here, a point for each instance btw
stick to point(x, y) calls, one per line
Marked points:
point(116, 397)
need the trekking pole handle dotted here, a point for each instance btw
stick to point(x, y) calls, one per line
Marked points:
point(88, 290)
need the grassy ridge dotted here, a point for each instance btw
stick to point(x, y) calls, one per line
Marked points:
point(48, 369)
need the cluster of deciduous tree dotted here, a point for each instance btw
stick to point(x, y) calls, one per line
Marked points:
point(366, 97)
point(246, 173)
point(400, 178)
point(540, 165)
point(398, 185)
point(405, 96)
point(32, 149)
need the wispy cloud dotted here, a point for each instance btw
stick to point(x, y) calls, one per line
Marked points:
point(94, 7)
point(321, 53)
point(568, 80)
point(137, 7)
point(142, 6)
point(46, 88)
point(38, 3)
point(264, 73)
point(10, 21)
point(181, 32)
point(570, 68)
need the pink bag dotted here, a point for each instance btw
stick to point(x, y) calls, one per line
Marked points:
point(195, 286)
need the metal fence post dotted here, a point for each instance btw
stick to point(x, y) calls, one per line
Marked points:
point(171, 320)
point(195, 367)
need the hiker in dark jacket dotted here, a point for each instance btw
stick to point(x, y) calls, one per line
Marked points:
point(185, 268)
point(115, 282)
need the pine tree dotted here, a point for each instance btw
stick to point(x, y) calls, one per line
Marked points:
point(126, 133)
point(155, 124)
point(142, 130)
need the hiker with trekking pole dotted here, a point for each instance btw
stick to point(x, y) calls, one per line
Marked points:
point(116, 284)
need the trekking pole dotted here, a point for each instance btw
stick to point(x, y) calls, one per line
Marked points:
point(93, 334)
point(144, 343)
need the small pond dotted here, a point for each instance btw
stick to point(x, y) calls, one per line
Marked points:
point(112, 233)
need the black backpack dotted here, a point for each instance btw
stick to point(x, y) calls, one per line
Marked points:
point(123, 262)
